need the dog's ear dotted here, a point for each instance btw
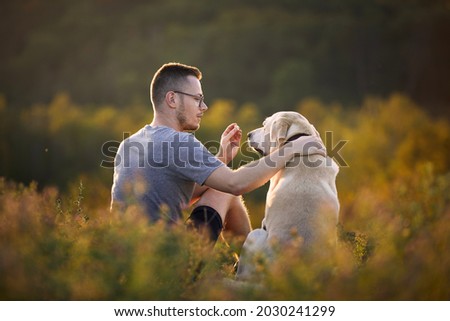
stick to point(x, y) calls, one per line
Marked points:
point(278, 131)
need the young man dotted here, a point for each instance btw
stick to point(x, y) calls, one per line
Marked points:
point(165, 169)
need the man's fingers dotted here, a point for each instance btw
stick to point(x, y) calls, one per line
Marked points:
point(231, 131)
point(229, 128)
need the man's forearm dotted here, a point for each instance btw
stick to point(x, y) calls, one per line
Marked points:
point(221, 156)
point(257, 173)
point(250, 176)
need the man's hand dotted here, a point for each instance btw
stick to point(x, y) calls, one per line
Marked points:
point(229, 143)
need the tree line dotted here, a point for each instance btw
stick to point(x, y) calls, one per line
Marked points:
point(272, 53)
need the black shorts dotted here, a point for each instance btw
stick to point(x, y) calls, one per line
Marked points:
point(207, 217)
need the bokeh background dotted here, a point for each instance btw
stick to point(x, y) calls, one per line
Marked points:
point(75, 75)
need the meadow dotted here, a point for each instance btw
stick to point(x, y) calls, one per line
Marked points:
point(63, 243)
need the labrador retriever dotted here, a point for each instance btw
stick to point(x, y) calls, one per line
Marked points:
point(302, 201)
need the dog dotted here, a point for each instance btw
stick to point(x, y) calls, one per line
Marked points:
point(302, 201)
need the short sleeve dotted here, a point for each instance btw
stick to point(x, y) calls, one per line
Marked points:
point(191, 159)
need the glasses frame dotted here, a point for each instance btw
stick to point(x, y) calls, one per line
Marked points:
point(201, 98)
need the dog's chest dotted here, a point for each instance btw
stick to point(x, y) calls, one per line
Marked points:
point(302, 183)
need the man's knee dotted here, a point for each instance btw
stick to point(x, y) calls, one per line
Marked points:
point(220, 201)
point(206, 217)
point(237, 200)
point(212, 195)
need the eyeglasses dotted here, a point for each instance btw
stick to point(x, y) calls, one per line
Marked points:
point(199, 98)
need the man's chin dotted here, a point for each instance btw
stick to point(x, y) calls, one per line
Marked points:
point(192, 128)
point(198, 124)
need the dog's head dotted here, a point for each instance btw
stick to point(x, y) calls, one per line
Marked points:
point(279, 129)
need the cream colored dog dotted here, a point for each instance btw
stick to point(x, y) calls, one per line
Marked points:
point(302, 200)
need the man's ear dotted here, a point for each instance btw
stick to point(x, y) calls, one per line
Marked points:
point(278, 131)
point(171, 99)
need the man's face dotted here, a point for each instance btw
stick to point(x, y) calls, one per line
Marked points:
point(191, 108)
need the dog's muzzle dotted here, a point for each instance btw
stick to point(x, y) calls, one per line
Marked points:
point(254, 145)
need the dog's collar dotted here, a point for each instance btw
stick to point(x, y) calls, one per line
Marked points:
point(296, 136)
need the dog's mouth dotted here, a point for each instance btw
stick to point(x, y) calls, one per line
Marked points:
point(254, 146)
point(260, 152)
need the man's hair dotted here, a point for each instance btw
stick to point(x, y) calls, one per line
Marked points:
point(170, 76)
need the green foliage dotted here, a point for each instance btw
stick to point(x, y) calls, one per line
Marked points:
point(56, 251)
point(385, 140)
point(63, 243)
point(50, 250)
point(269, 52)
point(359, 244)
point(85, 61)
point(55, 143)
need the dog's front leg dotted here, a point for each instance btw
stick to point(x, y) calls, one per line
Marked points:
point(254, 248)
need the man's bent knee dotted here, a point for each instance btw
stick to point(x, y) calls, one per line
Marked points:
point(206, 217)
point(220, 201)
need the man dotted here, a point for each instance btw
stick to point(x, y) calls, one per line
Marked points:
point(165, 169)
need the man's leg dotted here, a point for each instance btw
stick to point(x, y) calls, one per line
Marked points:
point(231, 209)
point(237, 220)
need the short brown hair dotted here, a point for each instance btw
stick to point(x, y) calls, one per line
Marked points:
point(170, 77)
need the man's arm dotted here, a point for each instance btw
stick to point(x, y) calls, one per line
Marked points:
point(257, 173)
point(198, 192)
point(229, 147)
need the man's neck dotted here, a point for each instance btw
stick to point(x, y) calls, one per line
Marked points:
point(162, 120)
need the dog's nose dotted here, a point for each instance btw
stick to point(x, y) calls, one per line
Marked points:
point(249, 135)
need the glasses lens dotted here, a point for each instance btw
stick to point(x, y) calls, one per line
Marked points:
point(201, 99)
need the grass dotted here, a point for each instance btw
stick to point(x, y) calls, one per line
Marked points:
point(394, 231)
point(52, 247)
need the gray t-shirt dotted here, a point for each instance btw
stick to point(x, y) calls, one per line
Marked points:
point(157, 167)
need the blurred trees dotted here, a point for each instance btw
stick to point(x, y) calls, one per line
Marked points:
point(74, 79)
point(386, 140)
point(269, 53)
point(75, 75)
point(55, 144)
